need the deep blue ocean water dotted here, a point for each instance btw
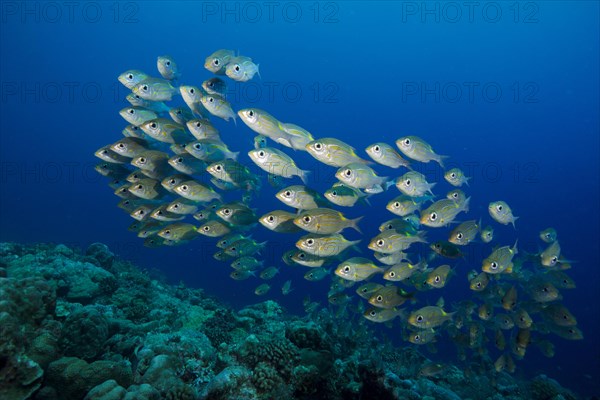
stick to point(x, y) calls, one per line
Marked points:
point(508, 90)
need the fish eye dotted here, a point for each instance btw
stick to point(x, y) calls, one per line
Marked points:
point(453, 175)
point(318, 146)
point(167, 232)
point(121, 145)
point(251, 113)
point(227, 211)
point(554, 260)
point(211, 99)
point(153, 125)
point(216, 61)
point(499, 207)
point(545, 289)
point(270, 218)
point(334, 193)
point(139, 187)
point(237, 68)
point(197, 146)
point(396, 205)
point(131, 111)
point(493, 265)
point(377, 149)
point(141, 212)
point(180, 160)
point(175, 206)
point(218, 168)
point(103, 152)
point(407, 142)
point(459, 235)
point(390, 226)
point(168, 63)
point(192, 91)
point(159, 212)
point(178, 112)
point(130, 76)
point(185, 188)
point(379, 298)
point(310, 242)
point(372, 313)
point(380, 242)
point(206, 228)
point(392, 274)
point(306, 219)
point(301, 255)
point(565, 317)
point(407, 182)
point(433, 216)
point(346, 268)
point(287, 193)
point(437, 279)
point(419, 318)
point(417, 338)
point(145, 88)
point(455, 195)
point(261, 153)
point(348, 172)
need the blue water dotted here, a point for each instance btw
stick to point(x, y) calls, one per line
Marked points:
point(509, 92)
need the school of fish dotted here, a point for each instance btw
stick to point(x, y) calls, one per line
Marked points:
point(172, 167)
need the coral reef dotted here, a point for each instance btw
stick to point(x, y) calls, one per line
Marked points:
point(87, 325)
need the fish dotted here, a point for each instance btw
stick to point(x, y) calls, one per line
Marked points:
point(155, 89)
point(148, 189)
point(504, 363)
point(231, 171)
point(414, 184)
point(399, 225)
point(124, 193)
point(485, 311)
point(215, 86)
point(464, 233)
point(559, 315)
point(269, 273)
point(361, 176)
point(381, 315)
point(366, 290)
point(345, 196)
point(503, 321)
point(339, 298)
point(456, 177)
point(137, 115)
point(107, 154)
point(142, 213)
point(241, 275)
point(333, 152)
point(325, 221)
point(228, 240)
point(203, 129)
point(217, 61)
point(182, 206)
point(264, 124)
point(178, 231)
point(308, 260)
point(457, 195)
point(170, 182)
point(390, 259)
point(487, 234)
point(501, 213)
point(509, 300)
point(316, 274)
point(192, 96)
point(442, 212)
point(560, 279)
point(357, 269)
point(324, 246)
point(195, 191)
point(261, 290)
point(300, 197)
point(214, 228)
point(550, 256)
point(218, 106)
point(156, 106)
point(543, 292)
point(246, 263)
point(245, 247)
point(429, 317)
point(210, 151)
point(287, 287)
point(389, 297)
point(133, 131)
point(479, 282)
point(164, 130)
point(130, 147)
point(384, 154)
point(402, 271)
point(276, 162)
point(549, 235)
point(522, 319)
point(391, 241)
point(260, 142)
point(417, 149)
point(439, 276)
point(181, 115)
point(132, 77)
point(167, 67)
point(162, 214)
point(404, 205)
point(567, 332)
point(421, 337)
point(279, 221)
point(241, 69)
point(236, 213)
point(500, 261)
point(187, 164)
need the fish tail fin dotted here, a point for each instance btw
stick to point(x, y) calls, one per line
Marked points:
point(514, 248)
point(365, 198)
point(513, 221)
point(388, 184)
point(467, 179)
point(465, 206)
point(258, 71)
point(440, 160)
point(355, 246)
point(422, 236)
point(303, 174)
point(430, 186)
point(234, 155)
point(354, 224)
point(234, 119)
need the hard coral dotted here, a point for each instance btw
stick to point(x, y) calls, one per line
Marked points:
point(84, 333)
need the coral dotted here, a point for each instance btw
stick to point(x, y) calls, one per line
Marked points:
point(230, 384)
point(20, 377)
point(74, 377)
point(218, 327)
point(265, 377)
point(109, 390)
point(100, 255)
point(545, 388)
point(84, 333)
point(279, 352)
